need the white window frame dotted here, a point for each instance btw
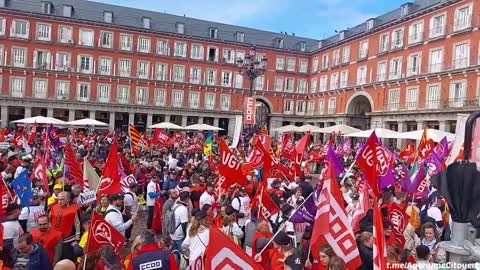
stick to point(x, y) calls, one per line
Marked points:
point(343, 78)
point(143, 69)
point(311, 107)
point(465, 22)
point(259, 83)
point(315, 65)
point(346, 55)
point(325, 61)
point(302, 86)
point(279, 83)
point(438, 30)
point(321, 106)
point(105, 65)
point(394, 99)
point(161, 71)
point(19, 57)
point(461, 61)
point(178, 98)
point(163, 47)
point(313, 85)
point(229, 56)
point(227, 78)
point(434, 67)
point(44, 34)
point(86, 42)
point(100, 92)
point(106, 39)
point(280, 63)
point(196, 51)
point(398, 36)
point(323, 83)
point(17, 87)
point(336, 58)
point(334, 77)
point(141, 99)
point(384, 43)
point(179, 73)
point(198, 72)
point(332, 105)
point(3, 25)
point(123, 94)
point(289, 85)
point(362, 78)
point(238, 79)
point(382, 71)
point(42, 63)
point(126, 42)
point(288, 105)
point(160, 97)
point(65, 34)
point(411, 69)
point(225, 102)
point(363, 50)
point(22, 34)
point(210, 103)
point(180, 49)
point(301, 107)
point(194, 99)
point(395, 71)
point(62, 89)
point(412, 98)
point(433, 102)
point(303, 66)
point(63, 61)
point(415, 32)
point(124, 70)
point(83, 67)
point(454, 100)
point(79, 91)
point(144, 44)
point(212, 77)
point(291, 64)
point(40, 93)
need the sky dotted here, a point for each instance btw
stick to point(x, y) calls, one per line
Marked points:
point(316, 19)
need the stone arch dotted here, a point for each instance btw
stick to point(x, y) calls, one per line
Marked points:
point(359, 104)
point(266, 101)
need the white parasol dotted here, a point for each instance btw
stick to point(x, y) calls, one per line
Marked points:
point(434, 134)
point(380, 132)
point(343, 129)
point(286, 129)
point(201, 127)
point(40, 120)
point(87, 122)
point(166, 125)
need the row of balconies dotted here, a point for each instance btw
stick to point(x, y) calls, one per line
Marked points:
point(436, 104)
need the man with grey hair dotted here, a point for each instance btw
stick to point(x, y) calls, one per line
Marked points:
point(152, 256)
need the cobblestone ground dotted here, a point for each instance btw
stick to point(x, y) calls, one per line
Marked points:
point(137, 229)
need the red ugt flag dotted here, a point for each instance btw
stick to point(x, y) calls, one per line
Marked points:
point(110, 182)
point(160, 138)
point(102, 233)
point(379, 247)
point(266, 206)
point(76, 172)
point(40, 172)
point(229, 169)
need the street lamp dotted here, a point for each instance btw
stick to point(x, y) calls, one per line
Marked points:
point(251, 67)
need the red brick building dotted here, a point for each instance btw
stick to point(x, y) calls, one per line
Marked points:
point(413, 67)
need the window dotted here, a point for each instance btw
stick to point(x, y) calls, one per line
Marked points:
point(213, 32)
point(463, 18)
point(212, 54)
point(225, 102)
point(394, 100)
point(362, 75)
point(162, 47)
point(382, 71)
point(315, 65)
point(412, 98)
point(238, 80)
point(62, 89)
point(180, 49)
point(20, 29)
point(197, 52)
point(19, 57)
point(346, 55)
point(162, 71)
point(228, 56)
point(462, 55)
point(106, 40)
point(334, 81)
point(384, 43)
point(344, 79)
point(146, 22)
point(195, 75)
point(210, 101)
point(65, 34)
point(144, 45)
point(40, 88)
point(178, 73)
point(211, 77)
point(313, 85)
point(363, 50)
point(303, 46)
point(457, 94)
point(41, 59)
point(289, 84)
point(3, 23)
point(125, 67)
point(142, 95)
point(108, 16)
point(311, 107)
point(433, 96)
point(143, 69)
point(324, 83)
point(332, 105)
point(288, 106)
point(194, 100)
point(85, 64)
point(240, 55)
point(259, 83)
point(303, 66)
point(86, 37)
point(336, 58)
point(291, 64)
point(436, 60)
point(105, 66)
point(44, 32)
point(2, 53)
point(17, 87)
point(123, 94)
point(126, 42)
point(278, 83)
point(341, 35)
point(414, 64)
point(370, 23)
point(279, 43)
point(240, 36)
point(415, 32)
point(104, 93)
point(395, 69)
point(437, 26)
point(67, 11)
point(280, 63)
point(325, 61)
point(160, 97)
point(227, 78)
point(180, 28)
point(302, 86)
point(397, 39)
point(301, 107)
point(321, 106)
point(63, 61)
point(83, 93)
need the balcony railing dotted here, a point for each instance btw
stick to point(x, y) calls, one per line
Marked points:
point(437, 31)
point(332, 110)
point(412, 105)
point(415, 38)
point(462, 23)
point(393, 106)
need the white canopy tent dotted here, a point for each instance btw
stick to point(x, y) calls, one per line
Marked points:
point(166, 125)
point(41, 120)
point(343, 129)
point(202, 127)
point(87, 122)
point(307, 128)
point(286, 129)
point(434, 134)
point(380, 132)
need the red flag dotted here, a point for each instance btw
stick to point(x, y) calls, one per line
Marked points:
point(157, 213)
point(361, 208)
point(40, 172)
point(302, 145)
point(6, 197)
point(332, 225)
point(76, 173)
point(110, 183)
point(265, 140)
point(102, 233)
point(379, 246)
point(256, 159)
point(229, 169)
point(160, 137)
point(287, 146)
point(223, 253)
point(408, 150)
point(399, 219)
point(266, 206)
point(424, 149)
point(18, 139)
point(33, 134)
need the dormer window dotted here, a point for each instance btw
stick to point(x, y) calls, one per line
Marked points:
point(146, 22)
point(404, 9)
point(213, 32)
point(108, 17)
point(341, 35)
point(240, 36)
point(3, 3)
point(320, 44)
point(47, 8)
point(180, 28)
point(67, 11)
point(279, 43)
point(303, 46)
point(370, 24)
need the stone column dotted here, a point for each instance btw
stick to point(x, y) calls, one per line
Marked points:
point(275, 122)
point(149, 120)
point(92, 114)
point(4, 116)
point(71, 115)
point(112, 121)
point(402, 127)
point(421, 124)
point(167, 118)
point(184, 120)
point(28, 112)
point(215, 122)
point(231, 126)
point(131, 118)
point(200, 119)
point(49, 112)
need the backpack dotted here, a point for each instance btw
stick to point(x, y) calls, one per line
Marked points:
point(170, 220)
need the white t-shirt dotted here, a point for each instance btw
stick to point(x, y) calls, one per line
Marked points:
point(197, 244)
point(172, 163)
point(31, 214)
point(206, 199)
point(181, 216)
point(243, 208)
point(130, 199)
point(12, 230)
point(151, 187)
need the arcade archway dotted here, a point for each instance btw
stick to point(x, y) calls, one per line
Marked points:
point(262, 114)
point(357, 108)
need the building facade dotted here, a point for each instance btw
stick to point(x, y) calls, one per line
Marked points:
point(414, 67)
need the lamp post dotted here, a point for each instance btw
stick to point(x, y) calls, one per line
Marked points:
point(251, 67)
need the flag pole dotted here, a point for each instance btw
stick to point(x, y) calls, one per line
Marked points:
point(346, 173)
point(6, 187)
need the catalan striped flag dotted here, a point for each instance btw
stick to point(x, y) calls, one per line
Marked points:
point(207, 149)
point(136, 139)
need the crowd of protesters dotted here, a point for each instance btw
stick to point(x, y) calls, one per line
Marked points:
point(191, 205)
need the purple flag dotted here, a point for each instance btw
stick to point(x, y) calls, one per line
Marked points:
point(306, 213)
point(441, 149)
point(416, 176)
point(53, 136)
point(337, 165)
point(433, 164)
